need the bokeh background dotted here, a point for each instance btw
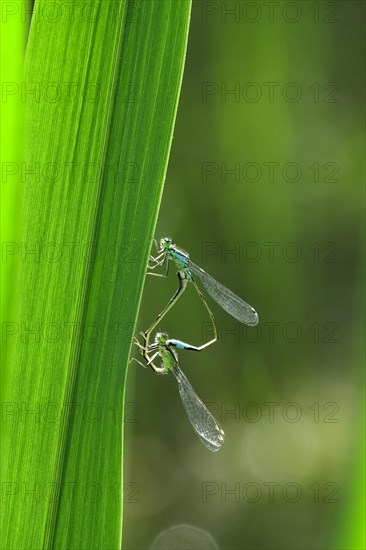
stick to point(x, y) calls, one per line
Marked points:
point(288, 394)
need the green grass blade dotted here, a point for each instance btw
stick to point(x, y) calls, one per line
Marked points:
point(89, 219)
point(12, 45)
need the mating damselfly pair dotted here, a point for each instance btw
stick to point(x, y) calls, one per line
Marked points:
point(203, 422)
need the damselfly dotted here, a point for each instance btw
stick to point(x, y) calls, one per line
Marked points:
point(187, 271)
point(208, 430)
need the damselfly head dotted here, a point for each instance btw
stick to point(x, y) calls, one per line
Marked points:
point(161, 338)
point(165, 243)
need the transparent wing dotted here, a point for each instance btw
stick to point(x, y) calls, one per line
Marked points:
point(229, 301)
point(208, 430)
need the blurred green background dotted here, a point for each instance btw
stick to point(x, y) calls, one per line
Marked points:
point(288, 394)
